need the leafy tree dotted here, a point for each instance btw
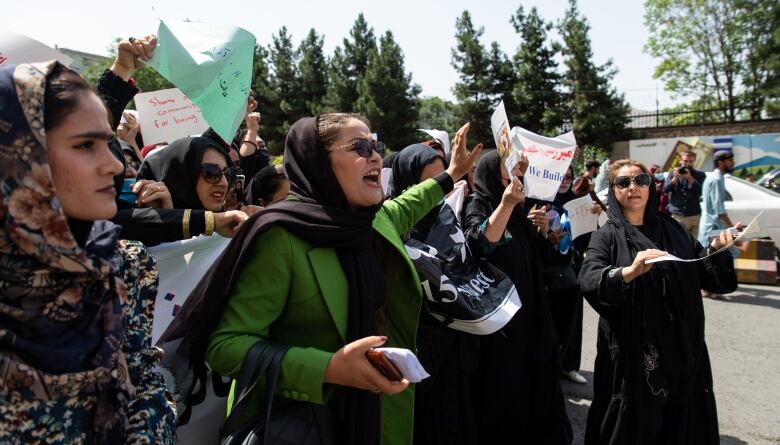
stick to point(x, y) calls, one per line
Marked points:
point(437, 113)
point(387, 96)
point(472, 90)
point(718, 48)
point(349, 65)
point(286, 105)
point(312, 69)
point(537, 99)
point(599, 114)
point(501, 80)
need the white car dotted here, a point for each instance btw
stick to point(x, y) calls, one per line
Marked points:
point(745, 200)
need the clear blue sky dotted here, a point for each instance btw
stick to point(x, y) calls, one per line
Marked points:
point(424, 29)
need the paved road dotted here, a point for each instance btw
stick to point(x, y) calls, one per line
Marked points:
point(743, 336)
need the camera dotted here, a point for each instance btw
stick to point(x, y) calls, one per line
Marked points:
point(683, 170)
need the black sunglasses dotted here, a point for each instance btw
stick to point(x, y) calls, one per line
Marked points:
point(641, 180)
point(213, 174)
point(364, 147)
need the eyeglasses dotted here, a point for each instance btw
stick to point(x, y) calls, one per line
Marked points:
point(641, 180)
point(213, 174)
point(364, 147)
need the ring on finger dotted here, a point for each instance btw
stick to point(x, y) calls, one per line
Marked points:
point(131, 39)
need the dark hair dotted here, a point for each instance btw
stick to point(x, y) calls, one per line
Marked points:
point(591, 163)
point(64, 88)
point(689, 153)
point(267, 182)
point(329, 125)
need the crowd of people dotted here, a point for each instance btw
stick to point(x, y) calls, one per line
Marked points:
point(317, 262)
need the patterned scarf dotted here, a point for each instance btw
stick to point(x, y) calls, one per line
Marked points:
point(61, 308)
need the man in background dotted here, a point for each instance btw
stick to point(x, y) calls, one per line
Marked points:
point(684, 188)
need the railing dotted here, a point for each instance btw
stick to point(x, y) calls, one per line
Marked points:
point(692, 117)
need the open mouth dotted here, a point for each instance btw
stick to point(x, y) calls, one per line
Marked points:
point(372, 178)
point(217, 196)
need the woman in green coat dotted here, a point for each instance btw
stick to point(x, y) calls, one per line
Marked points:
point(325, 271)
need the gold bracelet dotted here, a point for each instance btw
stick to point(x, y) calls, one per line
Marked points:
point(209, 223)
point(185, 224)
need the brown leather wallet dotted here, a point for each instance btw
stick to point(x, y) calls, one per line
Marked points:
point(384, 365)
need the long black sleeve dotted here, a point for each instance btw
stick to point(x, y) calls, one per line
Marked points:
point(154, 226)
point(117, 93)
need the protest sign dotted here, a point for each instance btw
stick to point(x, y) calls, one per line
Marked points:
point(212, 64)
point(581, 218)
point(181, 265)
point(17, 48)
point(548, 158)
point(441, 136)
point(499, 124)
point(167, 115)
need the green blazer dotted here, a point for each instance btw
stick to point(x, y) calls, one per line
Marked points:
point(294, 293)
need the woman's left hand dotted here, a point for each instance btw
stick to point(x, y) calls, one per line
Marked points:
point(462, 160)
point(596, 209)
point(131, 53)
point(539, 219)
point(724, 238)
point(153, 194)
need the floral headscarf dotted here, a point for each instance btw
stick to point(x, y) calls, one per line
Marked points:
point(61, 307)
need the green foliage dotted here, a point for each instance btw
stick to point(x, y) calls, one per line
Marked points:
point(387, 96)
point(348, 66)
point(599, 114)
point(312, 69)
point(721, 49)
point(584, 154)
point(284, 105)
point(537, 99)
point(437, 113)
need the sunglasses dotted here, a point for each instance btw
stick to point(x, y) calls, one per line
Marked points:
point(641, 180)
point(364, 147)
point(213, 174)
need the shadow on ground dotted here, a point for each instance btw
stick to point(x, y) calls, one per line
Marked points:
point(578, 398)
point(731, 440)
point(756, 297)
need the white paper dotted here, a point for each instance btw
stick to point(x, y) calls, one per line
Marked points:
point(752, 231)
point(581, 217)
point(441, 136)
point(548, 159)
point(17, 48)
point(499, 125)
point(407, 363)
point(167, 115)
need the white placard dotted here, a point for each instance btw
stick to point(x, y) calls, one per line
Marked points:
point(441, 136)
point(167, 115)
point(17, 48)
point(581, 217)
point(499, 125)
point(548, 160)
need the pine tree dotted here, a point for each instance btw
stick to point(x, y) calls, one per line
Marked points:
point(470, 59)
point(501, 81)
point(284, 83)
point(313, 74)
point(267, 100)
point(599, 113)
point(348, 66)
point(437, 113)
point(536, 96)
point(387, 96)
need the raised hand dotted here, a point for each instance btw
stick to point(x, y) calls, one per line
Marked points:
point(461, 160)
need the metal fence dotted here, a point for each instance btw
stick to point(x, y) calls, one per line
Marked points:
point(691, 117)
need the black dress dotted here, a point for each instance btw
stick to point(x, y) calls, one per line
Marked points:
point(653, 380)
point(519, 392)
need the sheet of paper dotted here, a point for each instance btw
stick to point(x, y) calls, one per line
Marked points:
point(407, 363)
point(581, 218)
point(752, 231)
point(167, 115)
point(441, 136)
point(212, 65)
point(548, 158)
point(499, 125)
point(17, 48)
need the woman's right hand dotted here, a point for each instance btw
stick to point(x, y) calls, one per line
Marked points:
point(227, 223)
point(640, 266)
point(460, 158)
point(514, 193)
point(350, 367)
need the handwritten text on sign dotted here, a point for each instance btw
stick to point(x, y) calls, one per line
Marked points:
point(167, 115)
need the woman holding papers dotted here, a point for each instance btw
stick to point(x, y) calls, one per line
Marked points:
point(76, 361)
point(519, 392)
point(653, 381)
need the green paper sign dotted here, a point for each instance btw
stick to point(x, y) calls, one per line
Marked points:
point(212, 65)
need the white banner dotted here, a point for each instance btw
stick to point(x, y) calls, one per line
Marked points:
point(548, 159)
point(17, 48)
point(167, 115)
point(581, 217)
point(181, 265)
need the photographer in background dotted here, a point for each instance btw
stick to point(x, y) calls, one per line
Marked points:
point(683, 186)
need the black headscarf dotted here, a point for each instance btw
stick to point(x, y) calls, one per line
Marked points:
point(178, 166)
point(489, 189)
point(318, 213)
point(408, 167)
point(669, 321)
point(264, 184)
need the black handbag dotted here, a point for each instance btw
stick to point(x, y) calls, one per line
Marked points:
point(302, 423)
